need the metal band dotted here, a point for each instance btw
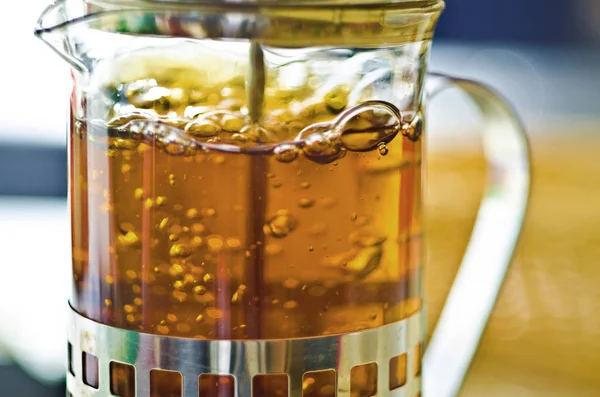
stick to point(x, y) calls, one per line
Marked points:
point(244, 358)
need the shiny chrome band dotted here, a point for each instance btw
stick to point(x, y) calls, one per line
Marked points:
point(244, 358)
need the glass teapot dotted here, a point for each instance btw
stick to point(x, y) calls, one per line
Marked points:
point(246, 206)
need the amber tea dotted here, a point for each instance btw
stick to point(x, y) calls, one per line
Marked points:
point(208, 225)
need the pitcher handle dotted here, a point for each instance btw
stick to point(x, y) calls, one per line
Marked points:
point(491, 247)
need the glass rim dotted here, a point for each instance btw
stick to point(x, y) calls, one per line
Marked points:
point(409, 4)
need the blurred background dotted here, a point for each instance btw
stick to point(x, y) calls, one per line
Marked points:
point(544, 56)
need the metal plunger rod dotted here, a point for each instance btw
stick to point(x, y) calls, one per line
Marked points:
point(255, 90)
point(257, 200)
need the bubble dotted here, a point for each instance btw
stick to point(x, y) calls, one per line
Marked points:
point(365, 262)
point(414, 129)
point(129, 308)
point(232, 123)
point(381, 122)
point(291, 283)
point(131, 274)
point(121, 120)
point(180, 148)
point(179, 296)
point(183, 328)
point(322, 150)
point(192, 213)
point(171, 318)
point(202, 128)
point(149, 203)
point(108, 302)
point(209, 212)
point(286, 153)
point(208, 278)
point(382, 148)
point(199, 290)
point(280, 225)
point(160, 201)
point(233, 244)
point(178, 284)
point(213, 312)
point(188, 279)
point(353, 216)
point(311, 248)
point(306, 202)
point(109, 279)
point(273, 249)
point(277, 183)
point(180, 251)
point(191, 112)
point(162, 329)
point(138, 193)
point(237, 297)
point(215, 243)
point(175, 269)
point(172, 180)
point(129, 239)
point(240, 138)
point(137, 301)
point(307, 382)
point(337, 99)
point(205, 298)
point(290, 304)
point(198, 228)
point(199, 318)
point(125, 168)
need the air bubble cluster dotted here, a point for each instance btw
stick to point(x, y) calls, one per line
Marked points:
point(364, 127)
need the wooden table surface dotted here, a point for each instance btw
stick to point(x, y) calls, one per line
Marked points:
point(543, 338)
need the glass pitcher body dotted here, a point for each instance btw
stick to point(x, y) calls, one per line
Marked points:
point(245, 194)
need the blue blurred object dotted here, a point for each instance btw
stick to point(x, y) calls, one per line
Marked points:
point(521, 21)
point(29, 170)
point(14, 382)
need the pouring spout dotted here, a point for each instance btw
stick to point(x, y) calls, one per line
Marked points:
point(52, 28)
